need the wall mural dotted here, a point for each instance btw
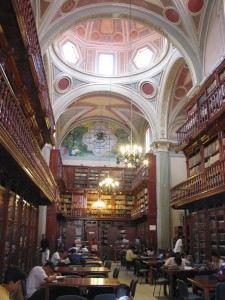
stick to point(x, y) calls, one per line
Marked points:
point(93, 143)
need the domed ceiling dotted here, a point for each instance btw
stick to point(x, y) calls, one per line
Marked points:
point(153, 60)
point(133, 46)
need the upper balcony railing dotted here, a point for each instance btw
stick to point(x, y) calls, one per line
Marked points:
point(20, 141)
point(207, 111)
point(91, 213)
point(209, 182)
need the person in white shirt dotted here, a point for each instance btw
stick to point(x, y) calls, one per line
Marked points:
point(58, 257)
point(37, 276)
point(179, 245)
point(216, 262)
point(175, 261)
point(84, 249)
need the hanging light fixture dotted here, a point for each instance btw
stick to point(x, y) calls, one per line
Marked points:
point(108, 184)
point(131, 154)
point(99, 203)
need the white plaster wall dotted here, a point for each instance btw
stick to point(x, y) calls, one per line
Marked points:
point(178, 174)
point(43, 209)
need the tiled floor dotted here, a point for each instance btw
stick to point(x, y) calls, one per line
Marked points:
point(143, 291)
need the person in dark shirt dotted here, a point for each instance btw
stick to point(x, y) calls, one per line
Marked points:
point(75, 258)
point(44, 249)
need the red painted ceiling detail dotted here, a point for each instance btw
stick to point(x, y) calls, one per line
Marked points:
point(118, 38)
point(180, 92)
point(80, 30)
point(183, 85)
point(95, 36)
point(134, 35)
point(43, 7)
point(107, 26)
point(68, 6)
point(147, 88)
point(172, 15)
point(196, 19)
point(63, 84)
point(195, 6)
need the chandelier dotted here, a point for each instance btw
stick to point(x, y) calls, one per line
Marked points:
point(131, 155)
point(99, 203)
point(108, 185)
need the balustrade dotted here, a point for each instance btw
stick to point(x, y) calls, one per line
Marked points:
point(13, 125)
point(211, 107)
point(212, 178)
point(30, 39)
point(90, 213)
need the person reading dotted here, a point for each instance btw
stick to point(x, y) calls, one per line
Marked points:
point(11, 282)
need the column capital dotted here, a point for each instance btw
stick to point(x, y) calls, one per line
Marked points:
point(166, 146)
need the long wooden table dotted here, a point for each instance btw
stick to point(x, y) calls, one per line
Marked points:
point(207, 285)
point(83, 270)
point(81, 283)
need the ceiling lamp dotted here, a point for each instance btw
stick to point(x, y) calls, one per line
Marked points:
point(99, 203)
point(108, 185)
point(131, 155)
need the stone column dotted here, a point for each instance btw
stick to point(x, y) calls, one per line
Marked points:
point(161, 150)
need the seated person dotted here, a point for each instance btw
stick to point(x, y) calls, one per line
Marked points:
point(37, 276)
point(150, 251)
point(59, 257)
point(189, 261)
point(175, 261)
point(122, 292)
point(84, 249)
point(216, 262)
point(167, 254)
point(75, 258)
point(11, 282)
point(74, 247)
point(130, 256)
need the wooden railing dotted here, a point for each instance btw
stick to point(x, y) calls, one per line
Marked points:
point(138, 212)
point(29, 35)
point(17, 137)
point(207, 183)
point(141, 177)
point(91, 213)
point(211, 108)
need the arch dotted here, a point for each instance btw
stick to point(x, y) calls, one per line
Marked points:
point(182, 42)
point(147, 112)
